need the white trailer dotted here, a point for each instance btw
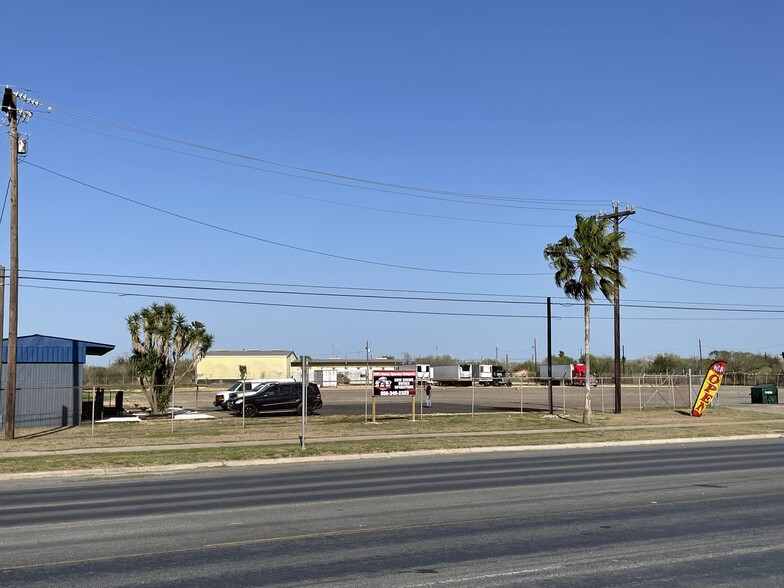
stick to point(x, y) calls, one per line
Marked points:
point(452, 375)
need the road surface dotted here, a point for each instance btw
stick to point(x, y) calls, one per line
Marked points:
point(696, 514)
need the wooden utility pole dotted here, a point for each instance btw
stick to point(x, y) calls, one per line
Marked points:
point(617, 216)
point(9, 107)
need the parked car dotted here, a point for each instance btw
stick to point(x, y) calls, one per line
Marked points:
point(241, 387)
point(277, 397)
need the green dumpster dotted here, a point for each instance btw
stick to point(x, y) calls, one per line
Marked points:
point(765, 394)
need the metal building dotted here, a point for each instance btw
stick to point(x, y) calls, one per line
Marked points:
point(224, 365)
point(48, 380)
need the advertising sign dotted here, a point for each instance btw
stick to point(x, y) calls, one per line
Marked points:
point(709, 388)
point(389, 383)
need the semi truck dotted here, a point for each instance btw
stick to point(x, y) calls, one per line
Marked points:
point(492, 375)
point(573, 375)
point(464, 374)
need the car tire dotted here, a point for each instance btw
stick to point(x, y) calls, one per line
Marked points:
point(251, 411)
point(224, 406)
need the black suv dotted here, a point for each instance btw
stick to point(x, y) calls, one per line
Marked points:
point(277, 397)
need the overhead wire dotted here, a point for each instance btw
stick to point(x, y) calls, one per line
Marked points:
point(389, 185)
point(702, 282)
point(277, 243)
point(663, 304)
point(354, 295)
point(313, 171)
point(5, 200)
point(707, 238)
point(710, 224)
point(719, 249)
point(386, 310)
point(336, 183)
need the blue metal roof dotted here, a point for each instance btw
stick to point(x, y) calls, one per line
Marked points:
point(45, 349)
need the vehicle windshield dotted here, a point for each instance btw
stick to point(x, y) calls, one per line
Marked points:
point(262, 386)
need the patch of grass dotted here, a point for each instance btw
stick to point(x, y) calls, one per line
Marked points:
point(222, 439)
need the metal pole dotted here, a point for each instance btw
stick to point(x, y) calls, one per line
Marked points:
point(601, 391)
point(92, 427)
point(521, 397)
point(243, 400)
point(304, 399)
point(639, 389)
point(473, 393)
point(367, 377)
point(563, 392)
point(171, 407)
point(549, 355)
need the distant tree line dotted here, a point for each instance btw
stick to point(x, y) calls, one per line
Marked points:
point(741, 362)
point(120, 373)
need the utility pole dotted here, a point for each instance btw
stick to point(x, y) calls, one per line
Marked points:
point(9, 107)
point(617, 216)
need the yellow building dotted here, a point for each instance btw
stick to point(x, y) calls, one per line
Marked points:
point(222, 366)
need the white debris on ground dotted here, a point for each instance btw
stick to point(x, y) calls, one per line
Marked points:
point(180, 414)
point(123, 419)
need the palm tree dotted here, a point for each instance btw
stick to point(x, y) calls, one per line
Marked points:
point(160, 338)
point(583, 263)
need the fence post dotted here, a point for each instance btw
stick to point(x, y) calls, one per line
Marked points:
point(521, 398)
point(473, 392)
point(563, 393)
point(602, 392)
point(639, 388)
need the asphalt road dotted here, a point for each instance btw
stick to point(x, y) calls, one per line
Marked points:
point(696, 514)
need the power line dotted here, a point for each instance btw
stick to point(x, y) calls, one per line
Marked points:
point(745, 253)
point(537, 299)
point(708, 224)
point(300, 168)
point(276, 243)
point(540, 302)
point(300, 306)
point(5, 200)
point(368, 182)
point(570, 203)
point(704, 283)
point(757, 246)
point(388, 311)
point(283, 285)
point(285, 292)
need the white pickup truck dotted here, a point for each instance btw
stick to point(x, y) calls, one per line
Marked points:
point(242, 387)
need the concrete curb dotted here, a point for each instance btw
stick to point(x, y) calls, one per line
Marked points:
point(163, 469)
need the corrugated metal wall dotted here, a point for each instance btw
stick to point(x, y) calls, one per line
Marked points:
point(47, 394)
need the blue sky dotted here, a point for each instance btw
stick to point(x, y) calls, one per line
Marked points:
point(279, 160)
